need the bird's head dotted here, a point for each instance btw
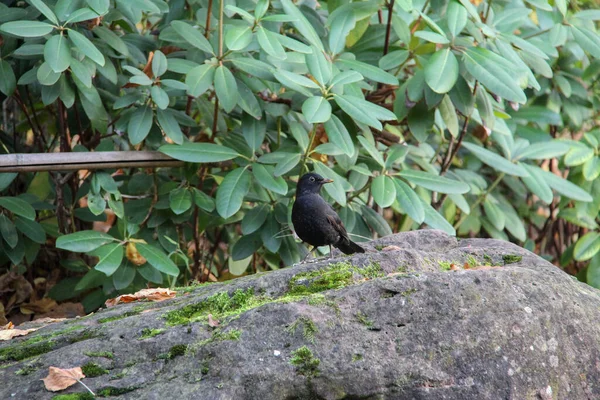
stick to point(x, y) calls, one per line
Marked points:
point(311, 183)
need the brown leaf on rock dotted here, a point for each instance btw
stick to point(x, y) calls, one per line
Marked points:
point(212, 321)
point(60, 379)
point(8, 334)
point(158, 294)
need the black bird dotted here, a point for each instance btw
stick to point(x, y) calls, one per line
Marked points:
point(315, 221)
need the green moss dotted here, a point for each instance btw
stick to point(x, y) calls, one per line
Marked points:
point(119, 375)
point(20, 352)
point(113, 391)
point(26, 370)
point(309, 328)
point(74, 396)
point(92, 370)
point(175, 351)
point(379, 247)
point(304, 361)
point(511, 258)
point(402, 268)
point(409, 292)
point(148, 332)
point(371, 271)
point(219, 336)
point(363, 319)
point(471, 261)
point(131, 313)
point(445, 265)
point(356, 357)
point(335, 276)
point(105, 354)
point(85, 335)
point(488, 260)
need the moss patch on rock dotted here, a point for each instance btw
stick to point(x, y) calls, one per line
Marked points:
point(305, 362)
point(150, 332)
point(74, 396)
point(511, 258)
point(92, 370)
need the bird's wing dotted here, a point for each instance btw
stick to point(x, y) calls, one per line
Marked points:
point(336, 223)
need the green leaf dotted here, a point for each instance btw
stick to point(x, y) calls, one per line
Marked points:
point(346, 77)
point(159, 97)
point(31, 229)
point(434, 183)
point(270, 44)
point(18, 207)
point(159, 63)
point(44, 9)
point(410, 202)
point(587, 39)
point(355, 108)
point(369, 71)
point(295, 82)
point(591, 169)
point(494, 214)
point(564, 187)
point(139, 124)
point(593, 272)
point(587, 246)
point(543, 150)
point(81, 72)
point(449, 116)
point(8, 81)
point(441, 72)
point(383, 191)
point(339, 135)
point(495, 161)
point(84, 241)
point(248, 102)
point(316, 109)
point(226, 88)
point(99, 6)
point(536, 183)
point(199, 79)
point(393, 59)
point(578, 155)
point(238, 37)
point(341, 26)
point(110, 258)
point(254, 131)
point(57, 53)
point(245, 247)
point(90, 280)
point(27, 28)
point(372, 150)
point(199, 152)
point(169, 125)
point(180, 200)
point(203, 200)
point(456, 17)
point(157, 259)
point(435, 220)
point(192, 35)
point(231, 192)
point(254, 67)
point(302, 24)
point(9, 232)
point(488, 68)
point(111, 39)
point(432, 37)
point(287, 164)
point(254, 219)
point(319, 66)
point(264, 174)
point(123, 276)
point(376, 221)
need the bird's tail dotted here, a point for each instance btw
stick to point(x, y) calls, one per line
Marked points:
point(347, 246)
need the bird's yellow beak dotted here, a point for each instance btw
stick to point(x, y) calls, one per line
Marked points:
point(326, 180)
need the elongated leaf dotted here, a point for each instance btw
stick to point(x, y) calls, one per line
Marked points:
point(435, 220)
point(231, 192)
point(110, 258)
point(8, 81)
point(269, 43)
point(238, 37)
point(83, 241)
point(27, 28)
point(8, 231)
point(369, 71)
point(587, 39)
point(254, 219)
point(226, 88)
point(286, 165)
point(587, 247)
point(18, 207)
point(494, 214)
point(409, 201)
point(159, 63)
point(338, 135)
point(486, 67)
point(434, 183)
point(139, 124)
point(157, 259)
point(495, 161)
point(456, 17)
point(199, 79)
point(169, 125)
point(245, 247)
point(264, 174)
point(564, 187)
point(449, 116)
point(383, 191)
point(372, 150)
point(84, 45)
point(536, 183)
point(355, 107)
point(441, 72)
point(180, 200)
point(32, 229)
point(316, 109)
point(318, 66)
point(159, 97)
point(199, 152)
point(44, 9)
point(99, 6)
point(341, 26)
point(112, 39)
point(376, 221)
point(57, 53)
point(302, 24)
point(192, 35)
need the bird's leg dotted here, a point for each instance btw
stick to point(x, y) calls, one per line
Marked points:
point(330, 252)
point(307, 254)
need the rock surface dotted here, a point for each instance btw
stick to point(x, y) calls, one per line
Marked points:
point(393, 323)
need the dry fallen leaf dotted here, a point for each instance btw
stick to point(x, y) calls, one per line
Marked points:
point(8, 334)
point(158, 294)
point(60, 379)
point(134, 255)
point(41, 306)
point(9, 325)
point(391, 248)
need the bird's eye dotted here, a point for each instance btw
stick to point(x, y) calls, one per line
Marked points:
point(312, 179)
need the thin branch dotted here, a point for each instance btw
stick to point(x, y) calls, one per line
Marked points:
point(388, 28)
point(208, 15)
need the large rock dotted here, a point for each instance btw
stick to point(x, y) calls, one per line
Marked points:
point(393, 323)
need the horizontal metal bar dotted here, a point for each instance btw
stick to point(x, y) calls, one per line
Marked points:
point(85, 160)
